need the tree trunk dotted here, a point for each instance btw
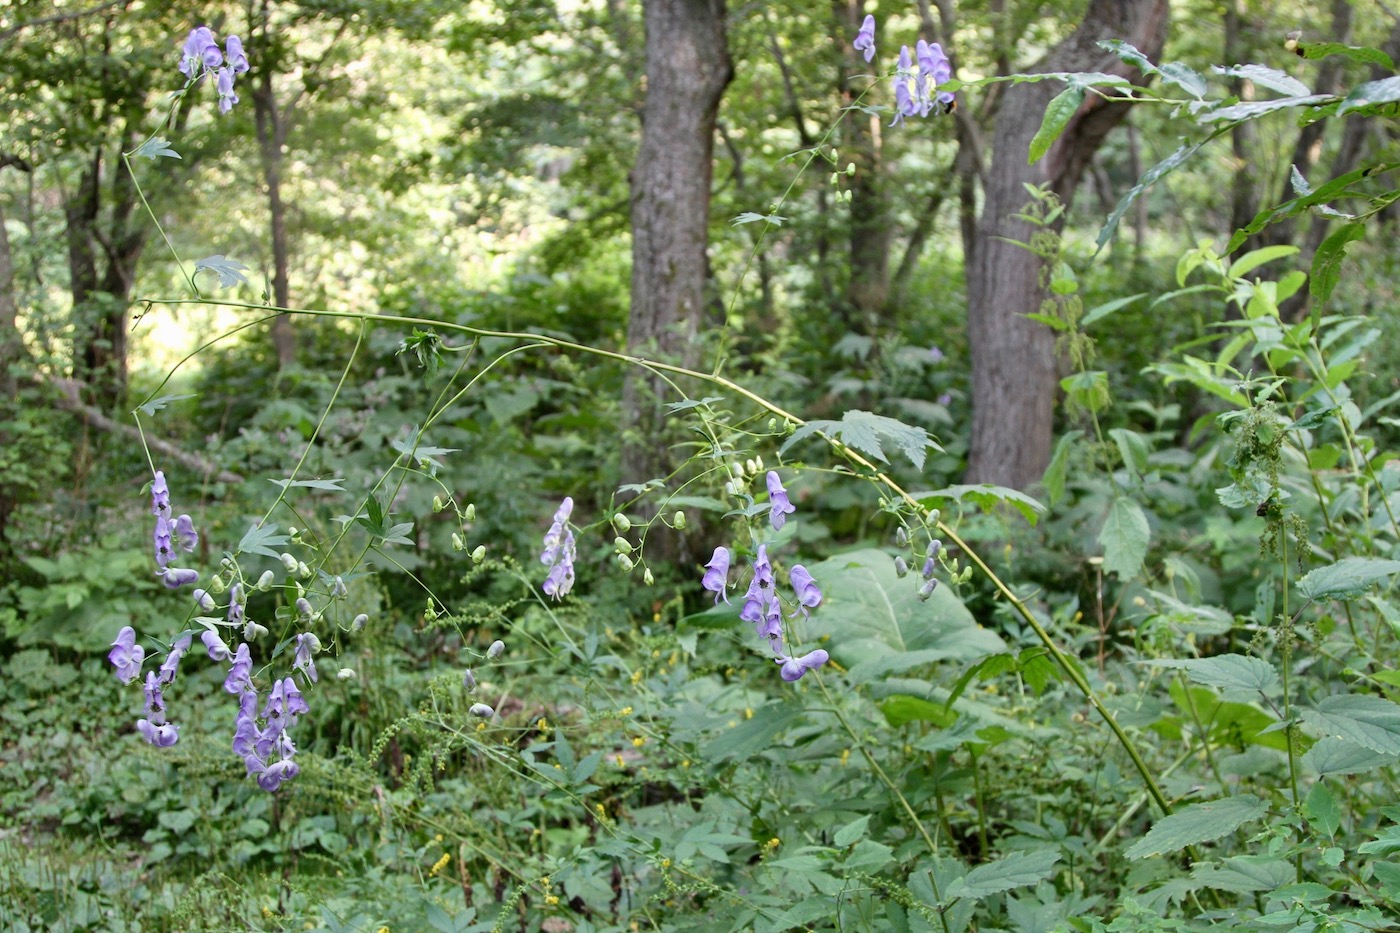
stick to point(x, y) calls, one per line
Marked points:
point(688, 67)
point(868, 287)
point(272, 136)
point(1014, 377)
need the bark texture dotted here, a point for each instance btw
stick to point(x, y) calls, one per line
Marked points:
point(687, 69)
point(272, 139)
point(1014, 372)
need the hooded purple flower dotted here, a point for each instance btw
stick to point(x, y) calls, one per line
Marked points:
point(176, 577)
point(779, 506)
point(201, 52)
point(161, 735)
point(218, 649)
point(224, 83)
point(172, 660)
point(284, 704)
point(794, 668)
point(307, 645)
point(160, 496)
point(270, 777)
point(126, 656)
point(233, 51)
point(805, 588)
point(240, 675)
point(164, 546)
point(865, 39)
point(717, 574)
point(184, 530)
point(155, 703)
point(559, 552)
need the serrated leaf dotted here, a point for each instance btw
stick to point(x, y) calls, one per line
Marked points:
point(1257, 108)
point(1327, 265)
point(1129, 54)
point(1322, 810)
point(868, 433)
point(1244, 874)
point(229, 271)
point(1132, 447)
point(1200, 822)
point(1369, 721)
point(1227, 671)
point(1384, 91)
point(876, 623)
point(751, 736)
point(155, 148)
point(1271, 78)
point(1053, 481)
point(1184, 77)
point(261, 539)
point(1124, 538)
point(851, 833)
point(985, 497)
point(1348, 578)
point(329, 485)
point(156, 404)
point(1015, 871)
point(1061, 109)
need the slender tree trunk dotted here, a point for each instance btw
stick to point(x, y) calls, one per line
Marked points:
point(1014, 375)
point(272, 135)
point(1244, 137)
point(868, 286)
point(688, 67)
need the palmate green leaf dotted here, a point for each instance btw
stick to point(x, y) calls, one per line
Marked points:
point(1018, 870)
point(868, 433)
point(229, 271)
point(877, 624)
point(983, 496)
point(1370, 721)
point(155, 148)
point(261, 539)
point(328, 485)
point(1349, 578)
point(1227, 671)
point(1124, 538)
point(1200, 822)
point(156, 404)
point(1058, 113)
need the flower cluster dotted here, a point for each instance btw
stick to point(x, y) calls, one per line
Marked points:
point(928, 583)
point(763, 607)
point(267, 749)
point(202, 55)
point(916, 91)
point(559, 552)
point(168, 532)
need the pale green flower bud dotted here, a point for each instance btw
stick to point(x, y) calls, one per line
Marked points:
point(302, 569)
point(358, 624)
point(678, 521)
point(292, 531)
point(217, 585)
point(437, 504)
point(265, 581)
point(345, 673)
point(497, 649)
point(304, 608)
point(289, 562)
point(850, 168)
point(301, 590)
point(625, 562)
point(252, 631)
point(736, 469)
point(479, 554)
point(623, 545)
point(470, 513)
point(482, 710)
point(457, 544)
point(622, 523)
point(647, 578)
point(338, 587)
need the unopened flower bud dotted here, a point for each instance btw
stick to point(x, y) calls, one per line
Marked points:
point(729, 488)
point(647, 578)
point(338, 588)
point(265, 581)
point(850, 168)
point(930, 565)
point(482, 710)
point(759, 460)
point(470, 513)
point(479, 554)
point(302, 569)
point(345, 673)
point(205, 601)
point(933, 548)
point(469, 679)
point(358, 623)
point(293, 531)
point(622, 523)
point(497, 649)
point(679, 521)
point(751, 465)
point(301, 590)
point(216, 585)
point(252, 631)
point(625, 562)
point(457, 544)
point(926, 590)
point(736, 469)
point(901, 567)
point(901, 537)
point(623, 545)
point(437, 503)
point(289, 562)
point(304, 607)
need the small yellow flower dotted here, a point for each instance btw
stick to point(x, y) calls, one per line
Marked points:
point(655, 653)
point(543, 724)
point(618, 759)
point(639, 741)
point(380, 930)
point(685, 763)
point(551, 899)
point(748, 712)
point(773, 844)
point(626, 711)
point(665, 863)
point(481, 727)
point(636, 677)
point(438, 838)
point(440, 864)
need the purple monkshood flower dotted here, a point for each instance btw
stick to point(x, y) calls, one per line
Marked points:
point(201, 52)
point(794, 668)
point(235, 603)
point(176, 577)
point(155, 703)
point(184, 530)
point(717, 574)
point(126, 656)
point(559, 552)
point(865, 39)
point(161, 735)
point(165, 547)
point(805, 588)
point(270, 777)
point(172, 660)
point(218, 649)
point(160, 496)
point(240, 675)
point(779, 506)
point(307, 645)
point(284, 704)
point(233, 51)
point(224, 83)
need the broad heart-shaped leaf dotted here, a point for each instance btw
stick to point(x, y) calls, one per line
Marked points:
point(1228, 671)
point(1384, 91)
point(1200, 822)
point(1015, 871)
point(878, 625)
point(1348, 578)
point(1338, 756)
point(868, 433)
point(1124, 538)
point(1057, 116)
point(1370, 721)
point(229, 271)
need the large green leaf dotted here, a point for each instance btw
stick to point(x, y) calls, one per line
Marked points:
point(1199, 822)
point(1348, 578)
point(1338, 756)
point(1015, 871)
point(751, 736)
point(877, 624)
point(1229, 671)
point(1369, 721)
point(1124, 538)
point(1057, 116)
point(869, 433)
